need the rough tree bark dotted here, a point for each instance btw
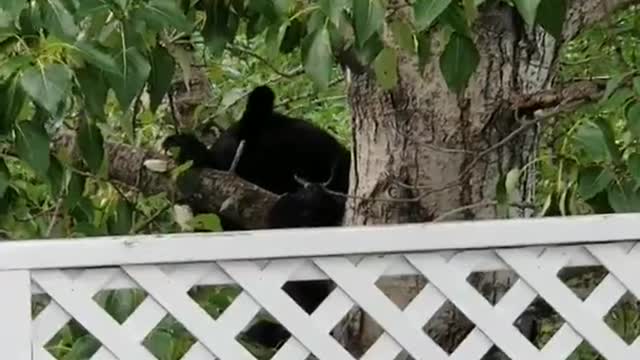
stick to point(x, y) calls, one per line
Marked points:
point(419, 141)
point(209, 191)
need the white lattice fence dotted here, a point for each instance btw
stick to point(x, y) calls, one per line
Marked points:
point(71, 272)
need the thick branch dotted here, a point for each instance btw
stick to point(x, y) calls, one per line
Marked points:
point(584, 13)
point(208, 190)
point(582, 91)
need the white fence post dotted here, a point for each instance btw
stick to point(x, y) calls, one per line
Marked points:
point(15, 314)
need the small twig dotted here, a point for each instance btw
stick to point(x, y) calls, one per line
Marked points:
point(149, 220)
point(31, 217)
point(54, 217)
point(307, 95)
point(318, 101)
point(292, 74)
point(525, 125)
point(174, 112)
point(136, 111)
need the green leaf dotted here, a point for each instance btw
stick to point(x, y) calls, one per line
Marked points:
point(609, 138)
point(133, 73)
point(551, 15)
point(83, 348)
point(623, 198)
point(292, 36)
point(612, 85)
point(58, 20)
point(567, 202)
point(427, 11)
point(13, 7)
point(96, 56)
point(90, 8)
point(184, 61)
point(11, 66)
point(229, 99)
point(592, 180)
point(317, 57)
point(470, 10)
point(220, 28)
point(589, 138)
point(208, 222)
point(528, 10)
point(633, 165)
point(91, 145)
point(454, 16)
point(633, 119)
point(161, 13)
point(161, 344)
point(281, 6)
point(404, 35)
point(424, 50)
point(5, 177)
point(162, 69)
point(120, 304)
point(458, 61)
point(333, 9)
point(32, 146)
point(12, 99)
point(268, 9)
point(636, 85)
point(366, 54)
point(47, 86)
point(548, 205)
point(368, 16)
point(121, 221)
point(75, 189)
point(94, 90)
point(55, 175)
point(272, 40)
point(502, 197)
point(386, 68)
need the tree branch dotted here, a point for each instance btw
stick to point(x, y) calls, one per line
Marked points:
point(577, 92)
point(209, 191)
point(584, 13)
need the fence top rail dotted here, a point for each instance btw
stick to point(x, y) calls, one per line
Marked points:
point(197, 247)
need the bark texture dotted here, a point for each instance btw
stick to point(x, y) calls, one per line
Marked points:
point(206, 191)
point(420, 150)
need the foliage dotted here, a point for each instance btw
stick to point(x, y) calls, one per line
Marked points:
point(591, 158)
point(104, 68)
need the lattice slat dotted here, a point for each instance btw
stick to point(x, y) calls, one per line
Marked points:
point(146, 316)
point(283, 308)
point(380, 308)
point(76, 300)
point(332, 309)
point(493, 323)
point(149, 265)
point(547, 284)
point(15, 313)
point(185, 310)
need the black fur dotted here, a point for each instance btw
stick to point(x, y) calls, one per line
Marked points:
point(310, 206)
point(277, 149)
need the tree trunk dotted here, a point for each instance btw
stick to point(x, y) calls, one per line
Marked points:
point(421, 151)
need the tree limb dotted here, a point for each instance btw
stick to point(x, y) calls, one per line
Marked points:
point(583, 13)
point(208, 191)
point(577, 92)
